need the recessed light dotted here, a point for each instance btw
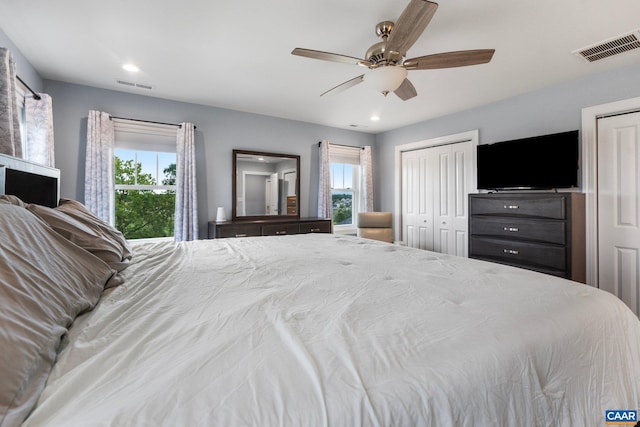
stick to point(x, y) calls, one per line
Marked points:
point(130, 67)
point(374, 118)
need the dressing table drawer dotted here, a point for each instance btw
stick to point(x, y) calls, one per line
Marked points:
point(315, 227)
point(520, 228)
point(280, 229)
point(519, 253)
point(506, 205)
point(267, 227)
point(236, 230)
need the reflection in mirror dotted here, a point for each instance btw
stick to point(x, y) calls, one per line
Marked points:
point(265, 185)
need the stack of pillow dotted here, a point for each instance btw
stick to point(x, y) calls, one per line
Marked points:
point(54, 265)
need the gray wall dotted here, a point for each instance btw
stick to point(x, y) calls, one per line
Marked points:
point(24, 69)
point(553, 109)
point(549, 110)
point(218, 132)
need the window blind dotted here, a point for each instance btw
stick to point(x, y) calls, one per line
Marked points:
point(135, 135)
point(344, 154)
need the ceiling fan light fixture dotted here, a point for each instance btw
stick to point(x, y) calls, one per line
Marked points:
point(386, 79)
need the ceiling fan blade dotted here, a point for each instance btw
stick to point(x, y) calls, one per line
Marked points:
point(328, 56)
point(406, 90)
point(410, 25)
point(344, 86)
point(460, 58)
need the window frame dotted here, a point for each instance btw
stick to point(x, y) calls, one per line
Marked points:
point(137, 136)
point(145, 186)
point(355, 203)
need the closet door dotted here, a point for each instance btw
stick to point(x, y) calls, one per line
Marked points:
point(435, 206)
point(452, 183)
point(417, 212)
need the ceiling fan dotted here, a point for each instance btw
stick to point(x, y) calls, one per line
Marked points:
point(386, 59)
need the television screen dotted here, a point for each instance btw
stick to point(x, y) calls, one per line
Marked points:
point(541, 162)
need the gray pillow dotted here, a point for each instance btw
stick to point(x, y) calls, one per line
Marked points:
point(93, 239)
point(78, 211)
point(45, 282)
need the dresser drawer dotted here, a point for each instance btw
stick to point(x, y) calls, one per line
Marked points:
point(280, 229)
point(315, 227)
point(237, 230)
point(518, 252)
point(541, 207)
point(520, 228)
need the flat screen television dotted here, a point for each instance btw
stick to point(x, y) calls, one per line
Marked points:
point(541, 162)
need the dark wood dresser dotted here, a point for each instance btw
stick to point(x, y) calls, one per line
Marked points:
point(263, 227)
point(544, 232)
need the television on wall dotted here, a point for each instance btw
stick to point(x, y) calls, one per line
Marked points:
point(541, 162)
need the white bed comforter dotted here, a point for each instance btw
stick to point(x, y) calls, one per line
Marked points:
point(323, 330)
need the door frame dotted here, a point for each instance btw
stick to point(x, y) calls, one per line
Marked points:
point(589, 146)
point(469, 136)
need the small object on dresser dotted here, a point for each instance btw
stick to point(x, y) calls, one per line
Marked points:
point(221, 216)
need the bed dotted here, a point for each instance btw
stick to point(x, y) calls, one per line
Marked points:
point(301, 330)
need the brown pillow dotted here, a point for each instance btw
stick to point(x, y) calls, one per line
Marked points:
point(92, 239)
point(79, 212)
point(45, 282)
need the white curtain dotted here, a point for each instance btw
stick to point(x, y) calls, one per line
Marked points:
point(10, 140)
point(39, 127)
point(99, 190)
point(366, 180)
point(324, 182)
point(186, 219)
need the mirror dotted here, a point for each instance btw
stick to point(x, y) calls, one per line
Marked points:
point(265, 185)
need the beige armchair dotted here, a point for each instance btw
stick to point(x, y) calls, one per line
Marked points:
point(375, 225)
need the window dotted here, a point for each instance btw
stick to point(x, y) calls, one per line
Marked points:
point(345, 186)
point(344, 193)
point(145, 180)
point(145, 197)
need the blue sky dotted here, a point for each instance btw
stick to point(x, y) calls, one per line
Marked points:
point(341, 175)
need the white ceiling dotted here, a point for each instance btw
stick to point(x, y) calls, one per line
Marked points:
point(237, 54)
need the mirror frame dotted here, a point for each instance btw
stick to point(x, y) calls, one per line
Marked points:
point(234, 184)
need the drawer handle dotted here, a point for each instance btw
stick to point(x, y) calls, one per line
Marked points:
point(278, 233)
point(510, 251)
point(511, 229)
point(511, 206)
point(315, 230)
point(241, 235)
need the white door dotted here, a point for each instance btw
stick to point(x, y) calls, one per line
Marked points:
point(435, 185)
point(452, 182)
point(417, 212)
point(271, 192)
point(619, 207)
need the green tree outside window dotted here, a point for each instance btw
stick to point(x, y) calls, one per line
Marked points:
point(144, 213)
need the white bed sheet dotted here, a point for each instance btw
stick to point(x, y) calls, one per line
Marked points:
point(324, 330)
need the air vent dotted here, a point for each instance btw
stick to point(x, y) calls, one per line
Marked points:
point(131, 84)
point(611, 47)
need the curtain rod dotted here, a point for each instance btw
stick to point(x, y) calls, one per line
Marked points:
point(148, 121)
point(342, 145)
point(33, 92)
